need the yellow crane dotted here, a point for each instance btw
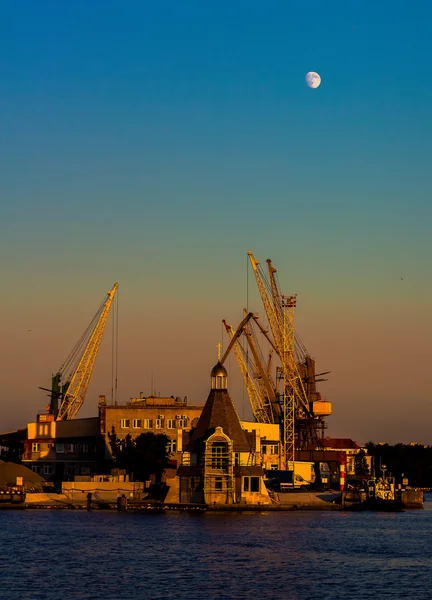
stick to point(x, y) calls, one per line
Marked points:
point(282, 338)
point(72, 393)
point(299, 420)
point(284, 309)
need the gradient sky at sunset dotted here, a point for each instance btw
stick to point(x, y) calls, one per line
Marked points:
point(155, 143)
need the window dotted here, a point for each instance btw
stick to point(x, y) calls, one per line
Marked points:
point(263, 449)
point(137, 423)
point(171, 424)
point(158, 423)
point(125, 423)
point(236, 458)
point(43, 430)
point(148, 423)
point(251, 484)
point(182, 423)
point(172, 446)
point(35, 447)
point(219, 458)
point(47, 469)
point(85, 470)
point(50, 445)
point(273, 449)
point(36, 468)
point(60, 448)
point(72, 448)
point(84, 448)
point(218, 484)
point(255, 484)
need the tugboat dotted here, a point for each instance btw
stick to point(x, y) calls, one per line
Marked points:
point(381, 495)
point(376, 494)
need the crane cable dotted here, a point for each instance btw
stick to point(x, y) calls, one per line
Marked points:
point(112, 361)
point(114, 353)
point(117, 348)
point(69, 364)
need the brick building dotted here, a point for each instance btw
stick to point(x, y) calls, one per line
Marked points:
point(170, 416)
point(61, 450)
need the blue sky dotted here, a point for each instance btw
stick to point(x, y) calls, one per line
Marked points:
point(155, 143)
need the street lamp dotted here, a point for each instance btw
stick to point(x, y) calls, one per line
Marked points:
point(383, 469)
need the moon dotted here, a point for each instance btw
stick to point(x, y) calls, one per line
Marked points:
point(313, 80)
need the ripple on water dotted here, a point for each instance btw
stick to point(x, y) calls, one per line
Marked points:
point(68, 555)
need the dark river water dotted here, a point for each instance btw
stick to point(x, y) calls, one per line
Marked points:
point(74, 555)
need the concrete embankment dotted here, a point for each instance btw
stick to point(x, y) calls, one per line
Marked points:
point(282, 502)
point(288, 501)
point(310, 500)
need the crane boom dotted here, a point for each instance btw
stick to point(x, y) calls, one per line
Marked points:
point(264, 402)
point(268, 305)
point(259, 411)
point(77, 389)
point(280, 314)
point(268, 392)
point(275, 292)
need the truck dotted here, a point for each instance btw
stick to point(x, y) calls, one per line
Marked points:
point(282, 481)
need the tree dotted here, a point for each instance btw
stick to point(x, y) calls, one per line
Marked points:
point(361, 466)
point(12, 446)
point(141, 457)
point(411, 461)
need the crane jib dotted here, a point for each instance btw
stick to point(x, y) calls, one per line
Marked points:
point(80, 379)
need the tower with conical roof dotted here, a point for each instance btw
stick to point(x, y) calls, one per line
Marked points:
point(221, 452)
point(218, 411)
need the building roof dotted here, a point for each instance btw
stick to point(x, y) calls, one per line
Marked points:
point(9, 471)
point(219, 371)
point(219, 411)
point(12, 436)
point(339, 443)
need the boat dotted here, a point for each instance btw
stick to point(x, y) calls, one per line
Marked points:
point(377, 495)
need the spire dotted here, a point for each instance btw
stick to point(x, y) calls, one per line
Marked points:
point(219, 411)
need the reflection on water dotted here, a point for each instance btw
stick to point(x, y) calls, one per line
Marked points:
point(74, 555)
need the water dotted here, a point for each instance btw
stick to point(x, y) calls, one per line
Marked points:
point(75, 555)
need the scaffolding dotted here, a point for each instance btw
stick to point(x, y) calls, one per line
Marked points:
point(219, 471)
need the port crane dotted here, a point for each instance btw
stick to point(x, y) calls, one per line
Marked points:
point(298, 408)
point(70, 383)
